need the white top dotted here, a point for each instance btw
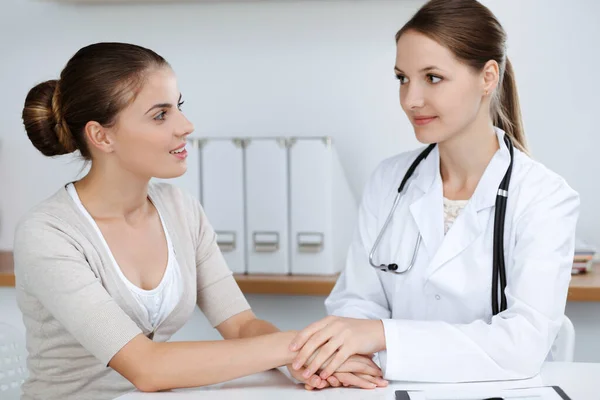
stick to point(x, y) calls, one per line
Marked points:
point(156, 303)
point(451, 210)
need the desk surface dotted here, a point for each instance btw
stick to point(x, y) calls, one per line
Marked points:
point(578, 380)
point(584, 287)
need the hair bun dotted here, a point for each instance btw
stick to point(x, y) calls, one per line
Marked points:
point(45, 126)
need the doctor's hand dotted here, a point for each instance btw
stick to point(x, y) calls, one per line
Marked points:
point(336, 337)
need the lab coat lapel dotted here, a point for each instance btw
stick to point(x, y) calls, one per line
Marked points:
point(427, 208)
point(470, 223)
point(463, 232)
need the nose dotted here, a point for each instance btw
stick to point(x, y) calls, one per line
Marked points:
point(185, 126)
point(411, 96)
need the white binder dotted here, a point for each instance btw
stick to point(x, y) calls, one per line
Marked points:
point(267, 206)
point(323, 208)
point(222, 195)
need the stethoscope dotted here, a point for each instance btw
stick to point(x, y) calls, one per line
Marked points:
point(499, 269)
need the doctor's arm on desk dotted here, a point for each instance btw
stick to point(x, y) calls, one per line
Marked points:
point(513, 346)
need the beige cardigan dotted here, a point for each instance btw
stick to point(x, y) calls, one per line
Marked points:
point(78, 313)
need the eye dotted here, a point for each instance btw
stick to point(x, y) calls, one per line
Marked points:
point(434, 79)
point(180, 104)
point(160, 116)
point(401, 78)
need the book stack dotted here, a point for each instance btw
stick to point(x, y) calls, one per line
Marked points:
point(583, 259)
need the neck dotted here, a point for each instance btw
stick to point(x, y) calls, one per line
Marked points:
point(110, 193)
point(464, 158)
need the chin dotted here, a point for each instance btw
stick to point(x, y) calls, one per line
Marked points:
point(426, 135)
point(434, 134)
point(176, 173)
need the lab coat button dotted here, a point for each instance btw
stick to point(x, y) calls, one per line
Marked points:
point(437, 297)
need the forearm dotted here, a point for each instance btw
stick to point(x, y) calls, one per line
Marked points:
point(189, 364)
point(257, 327)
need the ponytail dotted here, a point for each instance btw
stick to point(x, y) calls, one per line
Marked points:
point(507, 111)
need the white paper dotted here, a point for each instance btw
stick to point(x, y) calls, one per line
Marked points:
point(489, 386)
point(539, 393)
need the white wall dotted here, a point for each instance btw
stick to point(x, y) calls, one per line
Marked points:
point(301, 68)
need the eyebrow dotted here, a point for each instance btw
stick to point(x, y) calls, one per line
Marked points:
point(426, 69)
point(162, 105)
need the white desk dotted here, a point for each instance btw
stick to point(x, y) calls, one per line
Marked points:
point(579, 380)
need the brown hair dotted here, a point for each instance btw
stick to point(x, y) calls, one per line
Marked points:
point(96, 84)
point(472, 32)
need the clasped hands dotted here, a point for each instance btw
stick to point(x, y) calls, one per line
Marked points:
point(340, 351)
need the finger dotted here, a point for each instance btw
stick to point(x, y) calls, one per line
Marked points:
point(354, 366)
point(333, 381)
point(325, 353)
point(348, 379)
point(370, 367)
point(314, 381)
point(337, 361)
point(312, 357)
point(302, 337)
point(313, 344)
point(326, 363)
point(311, 384)
point(368, 360)
point(374, 379)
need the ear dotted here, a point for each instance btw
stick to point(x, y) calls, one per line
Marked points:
point(99, 137)
point(490, 77)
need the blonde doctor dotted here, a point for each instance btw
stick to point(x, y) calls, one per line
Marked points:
point(463, 275)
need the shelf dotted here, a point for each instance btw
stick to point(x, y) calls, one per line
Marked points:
point(584, 287)
point(7, 277)
point(286, 285)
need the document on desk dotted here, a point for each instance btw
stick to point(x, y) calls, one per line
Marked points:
point(537, 393)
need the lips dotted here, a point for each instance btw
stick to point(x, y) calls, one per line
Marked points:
point(423, 120)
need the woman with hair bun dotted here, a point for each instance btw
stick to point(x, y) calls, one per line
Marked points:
point(111, 266)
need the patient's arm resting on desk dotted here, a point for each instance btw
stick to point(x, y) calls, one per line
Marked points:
point(358, 371)
point(153, 366)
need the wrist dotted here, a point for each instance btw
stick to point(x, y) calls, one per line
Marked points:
point(285, 341)
point(379, 335)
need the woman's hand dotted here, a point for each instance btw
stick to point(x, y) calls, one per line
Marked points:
point(359, 371)
point(338, 337)
point(313, 382)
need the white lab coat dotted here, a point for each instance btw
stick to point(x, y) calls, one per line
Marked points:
point(437, 317)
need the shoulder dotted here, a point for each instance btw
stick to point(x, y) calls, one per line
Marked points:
point(54, 214)
point(536, 182)
point(540, 192)
point(51, 229)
